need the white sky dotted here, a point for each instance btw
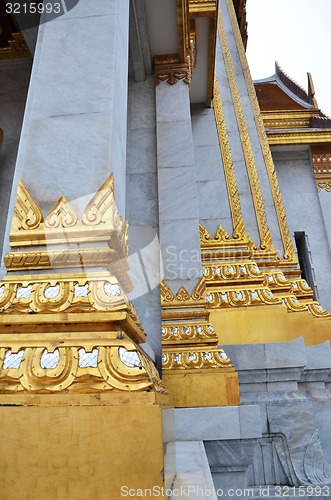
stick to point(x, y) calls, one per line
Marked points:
point(297, 34)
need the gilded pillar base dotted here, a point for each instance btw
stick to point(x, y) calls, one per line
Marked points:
point(196, 371)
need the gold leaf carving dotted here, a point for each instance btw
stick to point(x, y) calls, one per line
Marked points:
point(182, 295)
point(61, 215)
point(101, 208)
point(27, 214)
point(199, 292)
point(166, 293)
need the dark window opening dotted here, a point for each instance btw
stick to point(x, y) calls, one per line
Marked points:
point(304, 259)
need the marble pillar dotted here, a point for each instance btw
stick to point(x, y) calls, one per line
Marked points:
point(177, 191)
point(74, 131)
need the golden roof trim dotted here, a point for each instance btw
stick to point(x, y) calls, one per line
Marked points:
point(292, 137)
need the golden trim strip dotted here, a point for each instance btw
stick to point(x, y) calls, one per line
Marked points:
point(286, 119)
point(301, 137)
point(265, 235)
point(289, 253)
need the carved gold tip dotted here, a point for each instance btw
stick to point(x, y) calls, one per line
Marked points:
point(100, 222)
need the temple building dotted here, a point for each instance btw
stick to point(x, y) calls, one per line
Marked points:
point(165, 289)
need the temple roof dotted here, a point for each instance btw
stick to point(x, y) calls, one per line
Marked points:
point(279, 93)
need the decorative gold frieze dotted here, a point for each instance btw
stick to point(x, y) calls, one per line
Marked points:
point(16, 49)
point(199, 358)
point(203, 7)
point(237, 284)
point(264, 231)
point(196, 332)
point(100, 222)
point(304, 136)
point(326, 185)
point(289, 253)
point(75, 365)
point(287, 119)
point(233, 271)
point(59, 259)
point(78, 298)
point(322, 169)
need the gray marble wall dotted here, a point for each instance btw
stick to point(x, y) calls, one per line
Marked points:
point(325, 202)
point(213, 202)
point(303, 209)
point(142, 208)
point(177, 187)
point(291, 385)
point(14, 77)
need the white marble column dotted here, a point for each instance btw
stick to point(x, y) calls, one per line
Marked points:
point(74, 130)
point(178, 207)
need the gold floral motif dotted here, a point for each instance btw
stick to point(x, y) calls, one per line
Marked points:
point(317, 310)
point(172, 71)
point(324, 185)
point(233, 271)
point(61, 215)
point(322, 170)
